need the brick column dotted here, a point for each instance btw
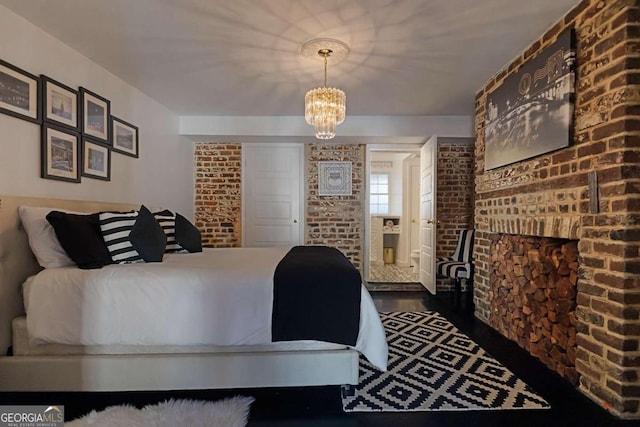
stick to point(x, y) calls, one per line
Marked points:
point(455, 196)
point(218, 197)
point(336, 221)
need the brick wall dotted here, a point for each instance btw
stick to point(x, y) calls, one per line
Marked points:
point(454, 197)
point(333, 221)
point(336, 220)
point(547, 196)
point(218, 197)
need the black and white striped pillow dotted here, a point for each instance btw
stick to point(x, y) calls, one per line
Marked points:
point(115, 228)
point(167, 221)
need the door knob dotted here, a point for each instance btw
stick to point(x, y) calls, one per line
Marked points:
point(295, 221)
point(429, 221)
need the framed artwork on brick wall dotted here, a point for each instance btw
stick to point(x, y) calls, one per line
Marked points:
point(531, 112)
point(334, 178)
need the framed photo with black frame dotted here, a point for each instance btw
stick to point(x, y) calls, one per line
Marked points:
point(60, 153)
point(96, 160)
point(19, 93)
point(96, 111)
point(59, 103)
point(124, 137)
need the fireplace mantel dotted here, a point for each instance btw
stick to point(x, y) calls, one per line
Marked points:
point(520, 223)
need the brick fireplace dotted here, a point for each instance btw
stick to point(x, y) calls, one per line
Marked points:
point(549, 197)
point(533, 297)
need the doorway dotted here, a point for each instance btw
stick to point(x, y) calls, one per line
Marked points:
point(393, 225)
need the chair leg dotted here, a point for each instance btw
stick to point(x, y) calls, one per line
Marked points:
point(457, 291)
point(469, 293)
point(452, 293)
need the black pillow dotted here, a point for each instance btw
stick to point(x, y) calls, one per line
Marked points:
point(81, 239)
point(147, 237)
point(187, 235)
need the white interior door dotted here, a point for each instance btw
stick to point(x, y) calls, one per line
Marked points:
point(272, 194)
point(428, 156)
point(414, 204)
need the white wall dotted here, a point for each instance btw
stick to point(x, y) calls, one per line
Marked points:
point(161, 176)
point(395, 177)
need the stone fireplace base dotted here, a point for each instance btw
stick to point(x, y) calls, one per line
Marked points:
point(533, 297)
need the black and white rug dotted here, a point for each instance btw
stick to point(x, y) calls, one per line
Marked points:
point(434, 367)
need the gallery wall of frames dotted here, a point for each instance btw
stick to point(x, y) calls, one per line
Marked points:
point(78, 131)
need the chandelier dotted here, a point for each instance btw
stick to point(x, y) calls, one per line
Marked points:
point(324, 107)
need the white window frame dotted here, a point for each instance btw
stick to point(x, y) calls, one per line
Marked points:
point(375, 207)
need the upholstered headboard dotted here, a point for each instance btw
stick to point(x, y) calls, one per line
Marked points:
point(16, 259)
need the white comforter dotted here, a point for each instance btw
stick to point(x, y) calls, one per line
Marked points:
point(219, 297)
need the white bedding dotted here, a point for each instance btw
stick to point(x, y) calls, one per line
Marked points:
point(217, 297)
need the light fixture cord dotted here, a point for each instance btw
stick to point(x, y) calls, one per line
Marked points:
point(325, 70)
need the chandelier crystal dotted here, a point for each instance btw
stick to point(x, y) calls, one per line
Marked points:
point(324, 107)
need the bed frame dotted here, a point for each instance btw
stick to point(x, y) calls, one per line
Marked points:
point(139, 371)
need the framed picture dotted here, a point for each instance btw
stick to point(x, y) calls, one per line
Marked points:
point(124, 137)
point(531, 112)
point(95, 115)
point(96, 160)
point(60, 153)
point(19, 93)
point(59, 103)
point(334, 178)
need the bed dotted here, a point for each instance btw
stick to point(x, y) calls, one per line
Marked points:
point(99, 352)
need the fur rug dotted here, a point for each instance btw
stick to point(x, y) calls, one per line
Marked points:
point(232, 412)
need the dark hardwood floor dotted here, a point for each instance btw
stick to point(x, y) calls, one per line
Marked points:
point(321, 406)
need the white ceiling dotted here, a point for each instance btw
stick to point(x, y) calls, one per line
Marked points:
point(242, 57)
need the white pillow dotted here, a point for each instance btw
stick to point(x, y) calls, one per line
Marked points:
point(42, 238)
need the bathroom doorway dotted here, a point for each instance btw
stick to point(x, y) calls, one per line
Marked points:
point(393, 223)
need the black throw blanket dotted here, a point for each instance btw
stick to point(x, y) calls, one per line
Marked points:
point(316, 296)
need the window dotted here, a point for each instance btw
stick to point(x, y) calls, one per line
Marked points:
point(379, 192)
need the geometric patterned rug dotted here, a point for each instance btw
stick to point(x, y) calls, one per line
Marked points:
point(434, 367)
